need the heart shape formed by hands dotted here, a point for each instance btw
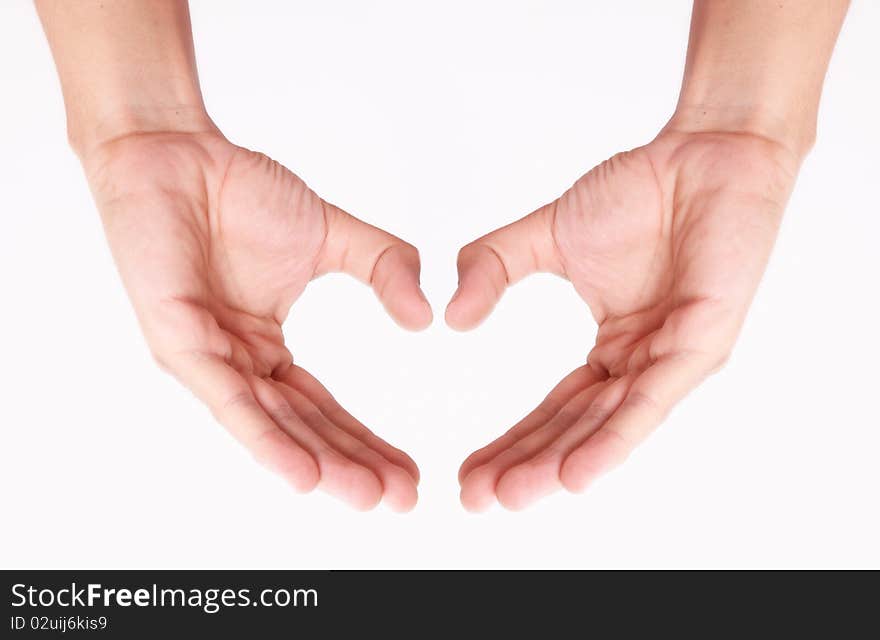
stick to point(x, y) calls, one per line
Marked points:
point(666, 244)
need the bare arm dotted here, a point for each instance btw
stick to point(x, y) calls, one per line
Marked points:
point(665, 243)
point(758, 66)
point(215, 242)
point(125, 66)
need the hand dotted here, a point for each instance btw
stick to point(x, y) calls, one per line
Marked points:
point(666, 244)
point(214, 244)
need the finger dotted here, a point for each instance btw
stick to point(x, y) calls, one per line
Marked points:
point(644, 407)
point(527, 482)
point(232, 402)
point(478, 491)
point(608, 355)
point(571, 385)
point(397, 487)
point(311, 388)
point(375, 257)
point(487, 266)
point(340, 476)
point(641, 357)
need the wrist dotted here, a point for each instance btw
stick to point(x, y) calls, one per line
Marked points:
point(86, 134)
point(792, 130)
point(757, 68)
point(125, 68)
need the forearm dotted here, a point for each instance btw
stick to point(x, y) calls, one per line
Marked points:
point(757, 66)
point(125, 66)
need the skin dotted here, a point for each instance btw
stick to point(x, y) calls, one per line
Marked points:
point(665, 243)
point(215, 242)
point(667, 250)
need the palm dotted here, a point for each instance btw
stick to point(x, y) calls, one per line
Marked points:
point(214, 244)
point(666, 244)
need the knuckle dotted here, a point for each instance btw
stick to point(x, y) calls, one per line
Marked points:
point(410, 250)
point(281, 413)
point(397, 475)
point(545, 410)
point(310, 415)
point(481, 474)
point(333, 411)
point(597, 412)
point(465, 253)
point(262, 444)
point(621, 444)
point(240, 400)
point(638, 399)
point(567, 415)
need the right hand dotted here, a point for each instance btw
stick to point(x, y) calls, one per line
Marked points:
point(214, 244)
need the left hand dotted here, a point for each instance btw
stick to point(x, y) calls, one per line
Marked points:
point(666, 244)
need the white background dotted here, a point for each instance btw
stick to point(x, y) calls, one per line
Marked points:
point(438, 124)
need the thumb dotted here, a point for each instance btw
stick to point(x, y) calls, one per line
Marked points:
point(379, 259)
point(489, 264)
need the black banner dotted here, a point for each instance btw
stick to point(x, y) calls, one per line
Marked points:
point(265, 604)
